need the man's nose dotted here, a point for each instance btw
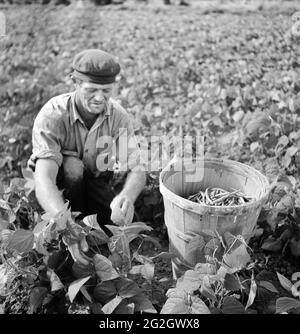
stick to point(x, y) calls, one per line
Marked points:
point(99, 96)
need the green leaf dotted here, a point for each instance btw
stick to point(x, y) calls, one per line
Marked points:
point(7, 276)
point(115, 230)
point(232, 306)
point(252, 294)
point(4, 205)
point(120, 244)
point(21, 241)
point(134, 229)
point(205, 268)
point(96, 308)
point(75, 286)
point(55, 282)
point(198, 306)
point(127, 288)
point(91, 221)
point(232, 241)
point(213, 246)
point(40, 227)
point(231, 283)
point(36, 298)
point(281, 144)
point(285, 304)
point(116, 260)
point(296, 276)
point(39, 245)
point(142, 258)
point(238, 258)
point(294, 246)
point(17, 185)
point(190, 281)
point(97, 238)
point(206, 290)
point(259, 122)
point(286, 203)
point(104, 268)
point(2, 188)
point(124, 308)
point(74, 233)
point(176, 303)
point(84, 291)
point(142, 304)
point(146, 270)
point(110, 306)
point(195, 245)
point(285, 283)
point(4, 236)
point(286, 181)
point(269, 286)
point(30, 184)
point(290, 152)
point(3, 225)
point(105, 291)
point(154, 240)
point(272, 245)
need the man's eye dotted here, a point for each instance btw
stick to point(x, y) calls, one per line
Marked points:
point(92, 91)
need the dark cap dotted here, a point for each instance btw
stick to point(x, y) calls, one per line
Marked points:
point(95, 66)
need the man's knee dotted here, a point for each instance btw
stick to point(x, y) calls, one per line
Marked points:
point(73, 168)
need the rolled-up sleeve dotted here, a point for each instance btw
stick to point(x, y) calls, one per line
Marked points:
point(47, 136)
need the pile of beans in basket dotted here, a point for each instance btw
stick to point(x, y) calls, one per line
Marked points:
point(220, 197)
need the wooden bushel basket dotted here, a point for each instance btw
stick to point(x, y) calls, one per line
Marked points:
point(185, 218)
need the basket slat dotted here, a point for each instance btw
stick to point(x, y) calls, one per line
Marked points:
point(184, 217)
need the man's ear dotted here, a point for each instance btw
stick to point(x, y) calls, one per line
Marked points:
point(73, 79)
point(115, 90)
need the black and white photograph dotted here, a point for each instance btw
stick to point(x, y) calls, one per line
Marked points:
point(149, 160)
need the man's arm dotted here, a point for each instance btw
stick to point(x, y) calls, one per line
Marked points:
point(135, 183)
point(47, 193)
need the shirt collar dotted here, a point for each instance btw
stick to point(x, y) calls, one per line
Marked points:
point(74, 114)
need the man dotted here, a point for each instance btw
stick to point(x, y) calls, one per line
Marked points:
point(74, 136)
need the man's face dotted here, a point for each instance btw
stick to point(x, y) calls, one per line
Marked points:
point(93, 97)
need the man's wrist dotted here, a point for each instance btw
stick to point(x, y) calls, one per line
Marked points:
point(127, 194)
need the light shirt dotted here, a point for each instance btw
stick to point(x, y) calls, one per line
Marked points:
point(59, 131)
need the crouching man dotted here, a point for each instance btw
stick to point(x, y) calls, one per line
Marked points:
point(75, 138)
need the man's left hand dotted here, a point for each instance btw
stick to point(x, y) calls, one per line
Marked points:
point(122, 210)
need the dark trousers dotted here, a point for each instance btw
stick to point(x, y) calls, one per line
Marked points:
point(85, 192)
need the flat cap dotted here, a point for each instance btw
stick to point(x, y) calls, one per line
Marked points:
point(95, 66)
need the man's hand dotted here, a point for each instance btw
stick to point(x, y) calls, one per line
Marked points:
point(122, 210)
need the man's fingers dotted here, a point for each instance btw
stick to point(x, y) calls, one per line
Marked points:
point(125, 206)
point(117, 216)
point(117, 203)
point(129, 214)
point(84, 245)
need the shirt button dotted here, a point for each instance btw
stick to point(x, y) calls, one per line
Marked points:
point(86, 150)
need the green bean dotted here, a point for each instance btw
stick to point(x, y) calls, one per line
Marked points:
point(220, 197)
